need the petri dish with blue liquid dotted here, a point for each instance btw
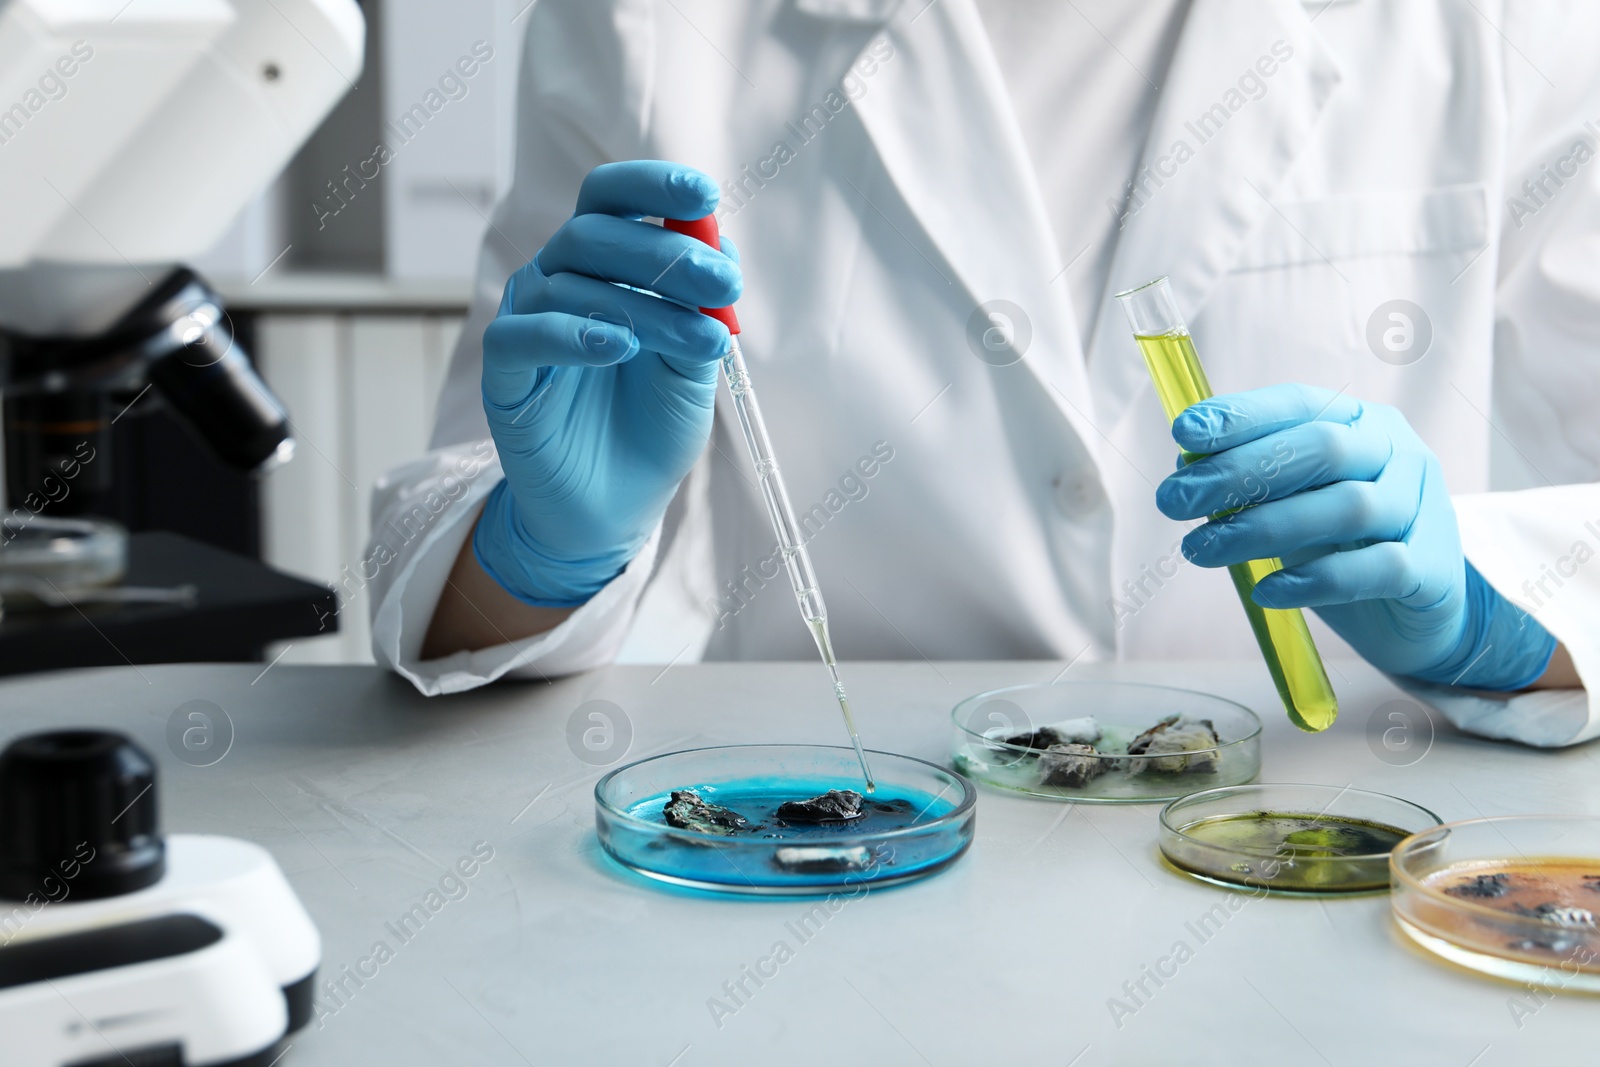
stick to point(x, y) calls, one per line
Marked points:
point(783, 820)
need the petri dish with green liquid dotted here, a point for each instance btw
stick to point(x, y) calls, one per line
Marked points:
point(1297, 840)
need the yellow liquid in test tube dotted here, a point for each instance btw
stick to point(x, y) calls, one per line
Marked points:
point(1285, 640)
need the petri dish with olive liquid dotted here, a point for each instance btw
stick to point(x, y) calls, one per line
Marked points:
point(1295, 840)
point(783, 820)
point(1516, 897)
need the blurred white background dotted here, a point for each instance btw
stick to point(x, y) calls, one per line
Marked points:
point(355, 268)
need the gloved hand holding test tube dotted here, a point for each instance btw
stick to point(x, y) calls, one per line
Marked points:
point(795, 557)
point(1180, 382)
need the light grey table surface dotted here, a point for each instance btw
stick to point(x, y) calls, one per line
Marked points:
point(366, 792)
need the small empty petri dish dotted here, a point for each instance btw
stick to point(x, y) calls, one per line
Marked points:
point(1105, 742)
point(1515, 897)
point(710, 818)
point(1300, 840)
point(45, 560)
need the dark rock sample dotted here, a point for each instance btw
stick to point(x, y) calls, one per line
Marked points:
point(1071, 766)
point(1483, 887)
point(1084, 731)
point(836, 805)
point(1038, 740)
point(1175, 747)
point(688, 811)
point(1556, 914)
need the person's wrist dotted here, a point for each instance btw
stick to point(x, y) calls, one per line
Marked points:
point(1503, 648)
point(531, 573)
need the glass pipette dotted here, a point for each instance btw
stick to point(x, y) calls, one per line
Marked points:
point(795, 558)
point(1285, 640)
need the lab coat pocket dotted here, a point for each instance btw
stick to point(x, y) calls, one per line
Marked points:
point(1310, 278)
point(1369, 226)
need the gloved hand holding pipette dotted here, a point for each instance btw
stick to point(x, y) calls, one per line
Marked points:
point(600, 398)
point(1355, 504)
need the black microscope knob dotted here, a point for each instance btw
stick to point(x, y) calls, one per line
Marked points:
point(77, 817)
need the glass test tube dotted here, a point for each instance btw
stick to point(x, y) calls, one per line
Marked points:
point(1285, 640)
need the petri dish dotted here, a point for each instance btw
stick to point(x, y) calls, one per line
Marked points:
point(46, 559)
point(1022, 739)
point(1516, 897)
point(1296, 840)
point(918, 822)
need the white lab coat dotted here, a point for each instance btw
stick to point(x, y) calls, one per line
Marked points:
point(1375, 163)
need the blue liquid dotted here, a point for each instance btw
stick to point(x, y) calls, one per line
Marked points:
point(899, 837)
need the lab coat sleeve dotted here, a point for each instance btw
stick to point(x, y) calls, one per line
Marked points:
point(1538, 549)
point(1537, 546)
point(422, 513)
point(583, 100)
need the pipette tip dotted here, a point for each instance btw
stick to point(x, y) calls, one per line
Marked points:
point(866, 771)
point(849, 719)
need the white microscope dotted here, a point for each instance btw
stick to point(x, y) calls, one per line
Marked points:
point(131, 135)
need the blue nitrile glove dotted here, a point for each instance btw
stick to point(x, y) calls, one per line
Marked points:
point(600, 397)
point(1355, 504)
